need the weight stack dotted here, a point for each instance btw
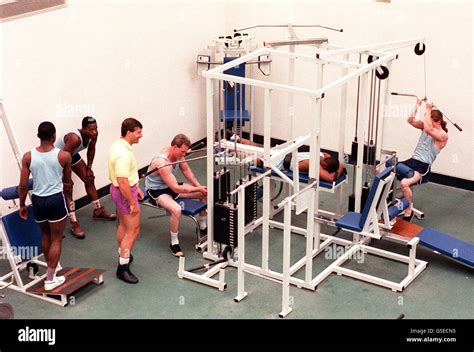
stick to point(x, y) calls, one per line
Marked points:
point(250, 203)
point(365, 193)
point(369, 154)
point(225, 224)
point(221, 185)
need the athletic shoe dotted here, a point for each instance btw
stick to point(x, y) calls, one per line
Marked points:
point(77, 231)
point(55, 282)
point(102, 214)
point(124, 274)
point(176, 250)
point(409, 217)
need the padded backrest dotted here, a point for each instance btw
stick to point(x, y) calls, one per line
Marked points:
point(232, 94)
point(24, 236)
point(371, 197)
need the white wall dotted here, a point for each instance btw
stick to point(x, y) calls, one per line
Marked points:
point(447, 27)
point(111, 60)
point(137, 58)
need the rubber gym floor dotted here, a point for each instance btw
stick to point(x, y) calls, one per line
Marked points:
point(443, 291)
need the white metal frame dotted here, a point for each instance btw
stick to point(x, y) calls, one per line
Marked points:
point(316, 242)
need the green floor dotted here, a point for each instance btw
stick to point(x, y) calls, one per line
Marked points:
point(444, 290)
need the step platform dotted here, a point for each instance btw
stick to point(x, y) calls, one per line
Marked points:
point(76, 278)
point(406, 229)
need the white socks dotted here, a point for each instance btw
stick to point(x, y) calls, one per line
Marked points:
point(174, 238)
point(96, 204)
point(123, 261)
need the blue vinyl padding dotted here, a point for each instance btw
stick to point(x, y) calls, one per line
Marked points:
point(403, 171)
point(356, 221)
point(24, 236)
point(188, 206)
point(304, 177)
point(10, 193)
point(350, 221)
point(396, 209)
point(229, 115)
point(234, 97)
point(450, 246)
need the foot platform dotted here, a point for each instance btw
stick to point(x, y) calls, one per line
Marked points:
point(75, 279)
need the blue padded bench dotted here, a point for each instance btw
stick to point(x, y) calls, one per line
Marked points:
point(454, 248)
point(357, 222)
point(24, 236)
point(189, 208)
point(304, 177)
point(10, 193)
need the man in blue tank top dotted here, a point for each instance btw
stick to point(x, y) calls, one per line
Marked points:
point(433, 138)
point(163, 187)
point(73, 143)
point(51, 171)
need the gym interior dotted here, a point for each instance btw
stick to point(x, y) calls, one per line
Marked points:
point(338, 77)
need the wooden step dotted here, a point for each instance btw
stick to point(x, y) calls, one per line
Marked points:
point(405, 228)
point(75, 279)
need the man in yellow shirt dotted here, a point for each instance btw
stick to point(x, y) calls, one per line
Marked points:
point(124, 191)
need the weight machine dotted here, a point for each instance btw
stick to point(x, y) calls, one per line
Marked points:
point(300, 200)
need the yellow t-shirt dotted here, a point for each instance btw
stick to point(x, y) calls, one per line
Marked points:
point(122, 163)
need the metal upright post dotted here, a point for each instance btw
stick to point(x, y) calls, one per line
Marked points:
point(285, 297)
point(265, 222)
point(361, 132)
point(210, 164)
point(241, 294)
point(342, 134)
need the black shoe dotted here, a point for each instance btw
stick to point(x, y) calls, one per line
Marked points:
point(203, 232)
point(124, 274)
point(176, 250)
point(409, 217)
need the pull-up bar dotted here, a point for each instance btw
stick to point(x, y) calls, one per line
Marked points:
point(287, 25)
point(447, 118)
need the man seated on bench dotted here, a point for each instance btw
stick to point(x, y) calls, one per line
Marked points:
point(330, 167)
point(163, 187)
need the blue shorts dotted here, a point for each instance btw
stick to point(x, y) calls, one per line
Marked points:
point(50, 208)
point(419, 166)
point(155, 193)
point(75, 159)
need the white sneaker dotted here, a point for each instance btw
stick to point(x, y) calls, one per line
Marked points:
point(55, 282)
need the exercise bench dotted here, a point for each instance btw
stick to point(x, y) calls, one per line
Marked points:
point(366, 224)
point(189, 208)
